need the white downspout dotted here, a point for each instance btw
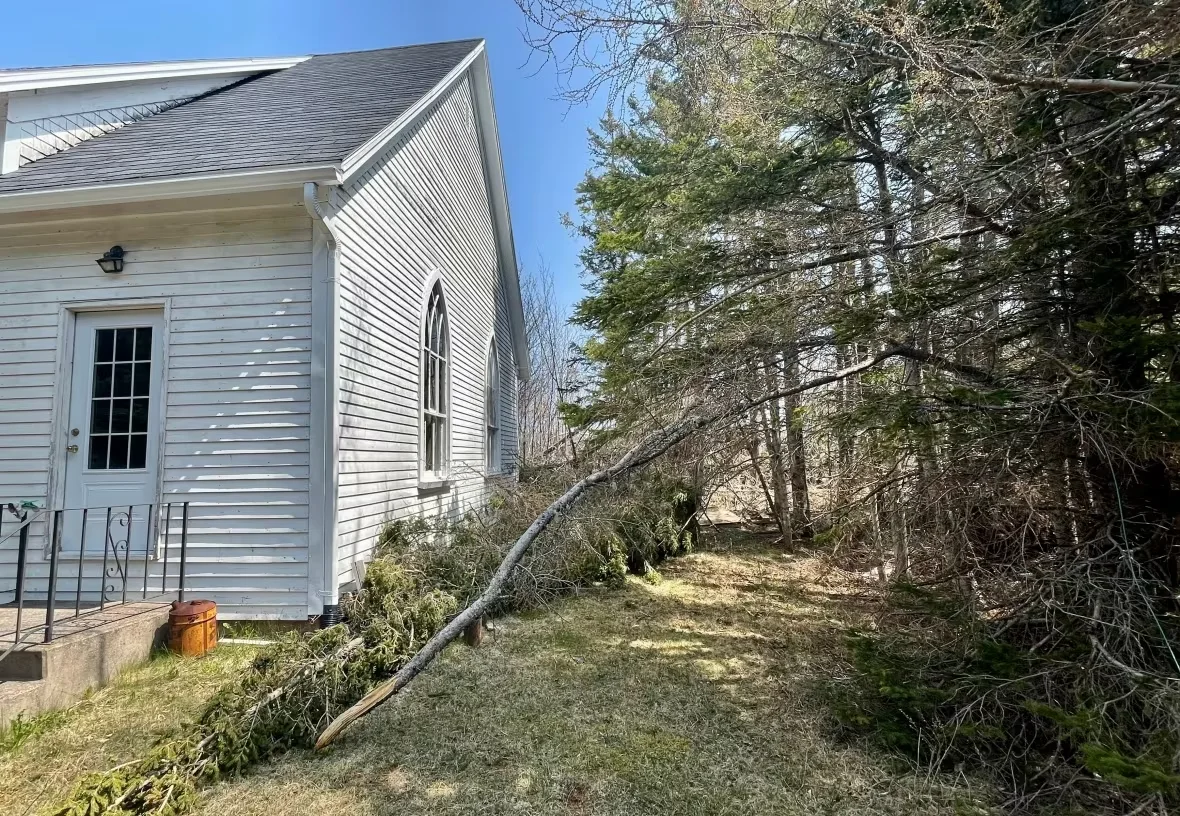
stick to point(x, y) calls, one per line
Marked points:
point(9, 142)
point(323, 586)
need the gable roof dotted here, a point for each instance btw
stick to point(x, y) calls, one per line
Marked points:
point(315, 112)
point(319, 119)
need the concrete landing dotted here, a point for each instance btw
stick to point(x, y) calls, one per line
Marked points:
point(86, 653)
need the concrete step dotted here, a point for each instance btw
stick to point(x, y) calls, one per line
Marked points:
point(19, 697)
point(86, 653)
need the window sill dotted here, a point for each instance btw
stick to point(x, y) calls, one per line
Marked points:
point(427, 485)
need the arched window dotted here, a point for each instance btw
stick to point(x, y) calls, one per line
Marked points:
point(436, 377)
point(492, 410)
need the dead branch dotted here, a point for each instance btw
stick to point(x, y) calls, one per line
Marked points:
point(650, 448)
point(1002, 78)
point(827, 261)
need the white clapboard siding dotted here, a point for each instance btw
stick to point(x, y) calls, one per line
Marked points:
point(236, 437)
point(423, 207)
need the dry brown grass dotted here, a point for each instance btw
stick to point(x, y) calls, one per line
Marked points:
point(690, 696)
point(110, 726)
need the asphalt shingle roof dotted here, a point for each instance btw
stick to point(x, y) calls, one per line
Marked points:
point(316, 112)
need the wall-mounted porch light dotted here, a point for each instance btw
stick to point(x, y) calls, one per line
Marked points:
point(112, 260)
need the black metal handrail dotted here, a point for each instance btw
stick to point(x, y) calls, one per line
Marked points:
point(114, 576)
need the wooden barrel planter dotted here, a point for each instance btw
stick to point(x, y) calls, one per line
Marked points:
point(192, 627)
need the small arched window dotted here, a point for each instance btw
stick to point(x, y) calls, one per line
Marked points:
point(492, 410)
point(436, 374)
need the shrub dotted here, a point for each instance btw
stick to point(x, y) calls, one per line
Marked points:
point(1046, 717)
point(628, 528)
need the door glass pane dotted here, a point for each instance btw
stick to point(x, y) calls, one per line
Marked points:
point(118, 460)
point(98, 452)
point(120, 416)
point(123, 379)
point(104, 346)
point(142, 381)
point(102, 380)
point(139, 415)
point(143, 343)
point(137, 451)
point(124, 345)
point(118, 423)
point(100, 417)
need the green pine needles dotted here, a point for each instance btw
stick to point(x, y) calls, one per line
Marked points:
point(290, 692)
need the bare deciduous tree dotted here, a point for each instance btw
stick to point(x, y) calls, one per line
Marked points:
point(556, 375)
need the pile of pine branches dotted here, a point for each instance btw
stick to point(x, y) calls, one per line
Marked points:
point(290, 692)
point(311, 687)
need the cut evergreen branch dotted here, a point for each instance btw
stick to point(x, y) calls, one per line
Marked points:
point(280, 703)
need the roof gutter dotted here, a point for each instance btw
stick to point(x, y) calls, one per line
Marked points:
point(323, 584)
point(243, 181)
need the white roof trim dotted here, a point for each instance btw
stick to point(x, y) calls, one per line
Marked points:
point(364, 156)
point(36, 78)
point(367, 154)
point(177, 187)
point(485, 112)
point(255, 180)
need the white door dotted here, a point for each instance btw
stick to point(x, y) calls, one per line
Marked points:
point(114, 431)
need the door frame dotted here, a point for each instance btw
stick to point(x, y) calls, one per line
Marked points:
point(63, 377)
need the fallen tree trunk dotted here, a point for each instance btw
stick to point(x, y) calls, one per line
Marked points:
point(650, 448)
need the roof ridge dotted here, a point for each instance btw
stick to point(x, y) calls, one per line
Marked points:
point(400, 47)
point(220, 88)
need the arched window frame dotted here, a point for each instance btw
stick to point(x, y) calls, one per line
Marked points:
point(493, 411)
point(434, 395)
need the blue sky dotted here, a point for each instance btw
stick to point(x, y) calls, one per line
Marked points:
point(544, 140)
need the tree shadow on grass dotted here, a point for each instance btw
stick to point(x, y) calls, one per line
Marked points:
point(692, 696)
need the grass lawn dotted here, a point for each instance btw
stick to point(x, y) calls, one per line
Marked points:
point(42, 758)
point(688, 696)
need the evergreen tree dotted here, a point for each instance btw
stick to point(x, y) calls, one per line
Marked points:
point(797, 186)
